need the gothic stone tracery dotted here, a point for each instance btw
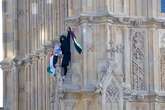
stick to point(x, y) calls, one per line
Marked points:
point(138, 61)
point(162, 65)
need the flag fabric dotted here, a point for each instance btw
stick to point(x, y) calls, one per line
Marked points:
point(51, 69)
point(77, 46)
point(57, 50)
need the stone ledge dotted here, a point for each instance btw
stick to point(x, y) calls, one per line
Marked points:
point(6, 64)
point(77, 89)
point(28, 59)
point(119, 20)
point(146, 97)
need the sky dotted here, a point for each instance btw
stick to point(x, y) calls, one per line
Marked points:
point(1, 57)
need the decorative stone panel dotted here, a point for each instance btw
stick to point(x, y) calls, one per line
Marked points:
point(138, 59)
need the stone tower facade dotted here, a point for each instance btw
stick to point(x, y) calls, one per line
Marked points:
point(123, 61)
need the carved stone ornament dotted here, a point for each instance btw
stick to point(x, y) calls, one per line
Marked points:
point(162, 69)
point(138, 60)
point(112, 94)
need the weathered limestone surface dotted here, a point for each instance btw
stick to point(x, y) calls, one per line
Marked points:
point(122, 66)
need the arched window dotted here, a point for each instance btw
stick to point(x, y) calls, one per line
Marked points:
point(1, 58)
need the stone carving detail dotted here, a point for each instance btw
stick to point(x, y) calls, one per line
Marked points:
point(120, 5)
point(162, 66)
point(162, 41)
point(109, 63)
point(162, 62)
point(69, 104)
point(138, 73)
point(112, 93)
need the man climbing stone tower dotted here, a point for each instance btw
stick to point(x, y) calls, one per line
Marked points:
point(121, 68)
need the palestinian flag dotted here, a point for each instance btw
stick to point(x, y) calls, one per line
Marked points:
point(77, 46)
point(51, 69)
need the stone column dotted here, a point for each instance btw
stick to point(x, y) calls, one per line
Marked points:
point(132, 8)
point(39, 24)
point(7, 99)
point(36, 82)
point(39, 82)
point(84, 2)
point(47, 28)
point(118, 46)
point(49, 19)
point(46, 85)
point(27, 15)
point(22, 88)
point(57, 17)
point(127, 55)
point(159, 79)
point(43, 84)
point(85, 72)
point(32, 95)
point(28, 102)
point(153, 59)
point(110, 6)
point(9, 28)
point(151, 7)
point(14, 89)
point(21, 27)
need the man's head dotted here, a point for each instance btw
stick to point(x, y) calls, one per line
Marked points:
point(62, 38)
point(69, 29)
